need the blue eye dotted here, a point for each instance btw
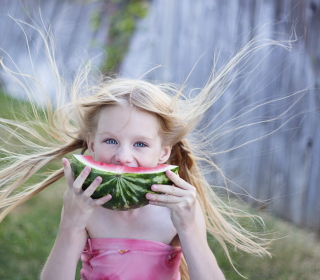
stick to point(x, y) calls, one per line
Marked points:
point(111, 141)
point(140, 144)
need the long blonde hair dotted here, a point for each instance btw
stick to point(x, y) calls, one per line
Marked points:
point(65, 126)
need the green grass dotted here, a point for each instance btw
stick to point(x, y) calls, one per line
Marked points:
point(296, 255)
point(27, 236)
point(10, 106)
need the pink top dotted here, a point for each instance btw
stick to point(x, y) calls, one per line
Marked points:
point(129, 259)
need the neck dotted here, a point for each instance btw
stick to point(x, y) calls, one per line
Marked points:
point(129, 214)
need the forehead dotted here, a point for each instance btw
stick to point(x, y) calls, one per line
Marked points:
point(117, 119)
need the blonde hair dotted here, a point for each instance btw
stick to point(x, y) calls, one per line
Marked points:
point(64, 129)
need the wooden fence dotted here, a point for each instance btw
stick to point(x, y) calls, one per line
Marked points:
point(282, 169)
point(71, 24)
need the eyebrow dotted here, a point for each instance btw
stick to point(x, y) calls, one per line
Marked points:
point(141, 137)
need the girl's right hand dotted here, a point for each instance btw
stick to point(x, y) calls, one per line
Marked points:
point(78, 205)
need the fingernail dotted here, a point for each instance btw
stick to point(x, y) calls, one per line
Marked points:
point(87, 168)
point(154, 187)
point(98, 179)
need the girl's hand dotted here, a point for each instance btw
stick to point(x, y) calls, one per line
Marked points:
point(78, 205)
point(180, 198)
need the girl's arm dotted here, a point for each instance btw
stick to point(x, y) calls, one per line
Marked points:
point(78, 207)
point(188, 219)
point(64, 256)
point(201, 261)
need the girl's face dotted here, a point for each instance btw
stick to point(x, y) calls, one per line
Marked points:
point(127, 136)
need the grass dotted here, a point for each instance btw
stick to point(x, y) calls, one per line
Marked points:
point(27, 236)
point(296, 255)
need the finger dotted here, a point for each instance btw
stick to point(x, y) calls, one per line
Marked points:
point(163, 204)
point(102, 200)
point(67, 172)
point(81, 178)
point(162, 198)
point(171, 190)
point(93, 186)
point(177, 181)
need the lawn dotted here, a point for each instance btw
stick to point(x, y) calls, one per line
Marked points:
point(28, 233)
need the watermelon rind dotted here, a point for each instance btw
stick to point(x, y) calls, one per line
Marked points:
point(128, 190)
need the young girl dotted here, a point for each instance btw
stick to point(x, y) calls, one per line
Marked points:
point(131, 123)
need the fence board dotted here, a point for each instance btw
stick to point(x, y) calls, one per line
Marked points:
point(283, 169)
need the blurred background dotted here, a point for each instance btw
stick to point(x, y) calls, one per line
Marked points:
point(266, 123)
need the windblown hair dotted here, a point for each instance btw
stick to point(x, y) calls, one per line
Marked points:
point(65, 126)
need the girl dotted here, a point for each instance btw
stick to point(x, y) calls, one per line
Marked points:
point(132, 123)
point(123, 125)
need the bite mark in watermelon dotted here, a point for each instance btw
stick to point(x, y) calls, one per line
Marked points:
point(128, 186)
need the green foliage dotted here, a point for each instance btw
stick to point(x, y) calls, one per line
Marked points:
point(122, 25)
point(95, 20)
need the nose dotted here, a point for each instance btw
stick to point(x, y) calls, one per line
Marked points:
point(124, 156)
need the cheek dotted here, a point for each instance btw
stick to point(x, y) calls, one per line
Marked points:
point(155, 158)
point(146, 159)
point(100, 153)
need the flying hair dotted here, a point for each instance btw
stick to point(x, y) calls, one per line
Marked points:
point(54, 130)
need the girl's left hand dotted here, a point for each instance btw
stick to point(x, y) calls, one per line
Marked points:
point(180, 198)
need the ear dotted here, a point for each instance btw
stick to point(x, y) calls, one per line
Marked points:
point(165, 154)
point(90, 144)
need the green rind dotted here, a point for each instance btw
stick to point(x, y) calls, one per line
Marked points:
point(128, 190)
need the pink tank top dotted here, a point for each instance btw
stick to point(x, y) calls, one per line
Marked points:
point(129, 259)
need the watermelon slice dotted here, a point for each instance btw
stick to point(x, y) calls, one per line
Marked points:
point(127, 185)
